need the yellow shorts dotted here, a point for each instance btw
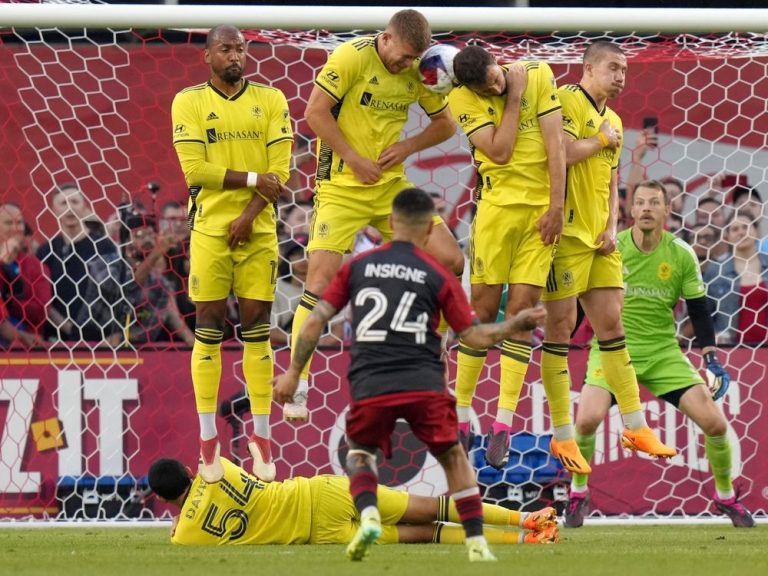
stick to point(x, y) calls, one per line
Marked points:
point(341, 211)
point(334, 516)
point(249, 270)
point(505, 246)
point(577, 268)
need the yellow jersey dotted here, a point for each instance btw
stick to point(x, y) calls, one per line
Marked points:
point(371, 107)
point(525, 178)
point(212, 132)
point(588, 182)
point(239, 509)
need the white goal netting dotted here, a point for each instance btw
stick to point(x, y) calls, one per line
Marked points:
point(100, 385)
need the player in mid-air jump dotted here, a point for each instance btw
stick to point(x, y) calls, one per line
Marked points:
point(233, 138)
point(511, 116)
point(586, 264)
point(358, 107)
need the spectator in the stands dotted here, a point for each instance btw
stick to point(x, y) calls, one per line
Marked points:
point(290, 286)
point(675, 225)
point(25, 287)
point(706, 244)
point(647, 141)
point(710, 210)
point(749, 201)
point(676, 194)
point(130, 298)
point(67, 255)
point(738, 287)
point(173, 223)
point(294, 220)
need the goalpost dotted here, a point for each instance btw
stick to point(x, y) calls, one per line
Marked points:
point(86, 100)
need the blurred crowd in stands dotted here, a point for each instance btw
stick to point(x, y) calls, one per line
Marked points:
point(123, 282)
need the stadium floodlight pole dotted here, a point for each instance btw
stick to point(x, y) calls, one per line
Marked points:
point(332, 18)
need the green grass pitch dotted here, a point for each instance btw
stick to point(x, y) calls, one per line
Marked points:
point(695, 550)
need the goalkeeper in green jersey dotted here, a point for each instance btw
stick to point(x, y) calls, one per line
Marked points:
point(659, 269)
point(240, 509)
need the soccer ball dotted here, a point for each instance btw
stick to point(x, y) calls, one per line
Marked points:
point(436, 68)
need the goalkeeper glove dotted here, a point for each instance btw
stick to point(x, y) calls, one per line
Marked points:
point(718, 378)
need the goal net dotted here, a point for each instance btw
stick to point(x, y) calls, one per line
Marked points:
point(87, 135)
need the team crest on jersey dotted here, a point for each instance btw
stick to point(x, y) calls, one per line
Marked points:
point(256, 111)
point(194, 284)
point(664, 271)
point(411, 87)
point(179, 129)
point(590, 124)
point(479, 266)
point(524, 104)
point(323, 229)
point(567, 278)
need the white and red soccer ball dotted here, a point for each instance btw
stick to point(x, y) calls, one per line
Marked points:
point(436, 68)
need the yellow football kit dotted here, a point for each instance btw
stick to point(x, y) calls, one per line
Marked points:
point(249, 132)
point(240, 509)
point(512, 197)
point(372, 108)
point(577, 267)
point(588, 184)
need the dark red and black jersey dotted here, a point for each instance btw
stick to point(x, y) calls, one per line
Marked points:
point(397, 292)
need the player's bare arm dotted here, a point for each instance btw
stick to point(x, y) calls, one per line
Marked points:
point(486, 335)
point(241, 227)
point(306, 342)
point(607, 238)
point(268, 189)
point(322, 122)
point(578, 150)
point(440, 128)
point(551, 223)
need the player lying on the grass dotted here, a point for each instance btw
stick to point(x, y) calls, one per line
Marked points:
point(658, 270)
point(240, 509)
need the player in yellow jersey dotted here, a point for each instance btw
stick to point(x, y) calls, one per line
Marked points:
point(511, 115)
point(357, 108)
point(587, 265)
point(239, 509)
point(233, 138)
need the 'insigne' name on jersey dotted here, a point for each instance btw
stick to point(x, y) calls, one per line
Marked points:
point(399, 271)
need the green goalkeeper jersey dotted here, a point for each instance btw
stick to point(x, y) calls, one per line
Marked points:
point(653, 284)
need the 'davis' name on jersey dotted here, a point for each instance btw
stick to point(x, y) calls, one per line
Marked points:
point(399, 271)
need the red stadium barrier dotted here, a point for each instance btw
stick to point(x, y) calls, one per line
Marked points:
point(95, 416)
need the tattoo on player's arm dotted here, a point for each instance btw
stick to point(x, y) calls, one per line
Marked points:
point(323, 311)
point(310, 334)
point(305, 346)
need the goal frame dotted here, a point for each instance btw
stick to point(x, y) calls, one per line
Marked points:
point(335, 18)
